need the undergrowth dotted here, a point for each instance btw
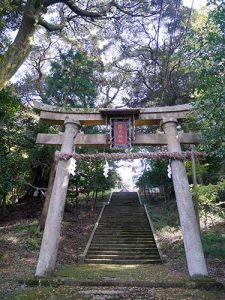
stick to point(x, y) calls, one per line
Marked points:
point(165, 220)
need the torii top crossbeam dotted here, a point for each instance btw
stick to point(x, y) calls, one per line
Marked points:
point(141, 116)
point(89, 116)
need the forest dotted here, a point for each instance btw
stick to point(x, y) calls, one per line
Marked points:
point(110, 54)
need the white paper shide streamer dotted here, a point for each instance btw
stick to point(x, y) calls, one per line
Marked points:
point(169, 171)
point(106, 169)
point(72, 166)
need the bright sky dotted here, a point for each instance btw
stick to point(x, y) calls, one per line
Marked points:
point(197, 3)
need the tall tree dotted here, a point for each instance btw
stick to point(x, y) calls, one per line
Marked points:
point(32, 14)
point(71, 81)
point(206, 60)
point(66, 14)
point(149, 57)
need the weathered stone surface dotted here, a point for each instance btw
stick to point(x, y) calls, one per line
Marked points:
point(87, 116)
point(49, 246)
point(100, 140)
point(190, 230)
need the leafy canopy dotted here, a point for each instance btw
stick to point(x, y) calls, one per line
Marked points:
point(206, 48)
point(71, 81)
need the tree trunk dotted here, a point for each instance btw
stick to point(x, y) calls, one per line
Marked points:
point(3, 204)
point(95, 201)
point(38, 180)
point(48, 196)
point(20, 48)
point(146, 199)
point(199, 176)
point(88, 199)
point(149, 194)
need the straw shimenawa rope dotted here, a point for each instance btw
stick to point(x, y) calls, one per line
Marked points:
point(118, 156)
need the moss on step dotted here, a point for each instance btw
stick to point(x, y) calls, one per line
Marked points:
point(42, 282)
point(79, 282)
point(60, 293)
point(87, 293)
point(138, 275)
point(205, 283)
point(114, 271)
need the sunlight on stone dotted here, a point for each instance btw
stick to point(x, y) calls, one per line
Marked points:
point(115, 267)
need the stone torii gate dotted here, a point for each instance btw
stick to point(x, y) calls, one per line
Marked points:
point(166, 117)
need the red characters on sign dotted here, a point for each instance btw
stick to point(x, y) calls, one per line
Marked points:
point(120, 133)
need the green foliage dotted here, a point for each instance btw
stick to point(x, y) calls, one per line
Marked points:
point(71, 83)
point(214, 244)
point(33, 235)
point(8, 139)
point(10, 17)
point(33, 243)
point(165, 217)
point(201, 168)
point(89, 177)
point(155, 176)
point(9, 104)
point(19, 156)
point(166, 222)
point(209, 197)
point(206, 60)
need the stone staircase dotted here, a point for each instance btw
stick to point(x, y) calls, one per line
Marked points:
point(123, 235)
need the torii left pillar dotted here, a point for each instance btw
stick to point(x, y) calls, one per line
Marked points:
point(50, 240)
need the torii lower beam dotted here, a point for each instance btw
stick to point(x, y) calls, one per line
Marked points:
point(100, 140)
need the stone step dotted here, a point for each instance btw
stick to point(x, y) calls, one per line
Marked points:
point(123, 227)
point(122, 240)
point(123, 256)
point(133, 224)
point(127, 235)
point(122, 245)
point(118, 248)
point(111, 212)
point(123, 261)
point(123, 231)
point(124, 251)
point(123, 235)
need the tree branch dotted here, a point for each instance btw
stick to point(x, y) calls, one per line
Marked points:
point(15, 55)
point(51, 27)
point(81, 12)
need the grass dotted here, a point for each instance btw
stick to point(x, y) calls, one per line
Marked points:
point(115, 294)
point(166, 223)
point(164, 216)
point(167, 284)
point(214, 243)
point(123, 272)
point(68, 293)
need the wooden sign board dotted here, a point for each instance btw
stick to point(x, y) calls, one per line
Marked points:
point(120, 133)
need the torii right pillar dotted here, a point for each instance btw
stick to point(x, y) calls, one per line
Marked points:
point(190, 230)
